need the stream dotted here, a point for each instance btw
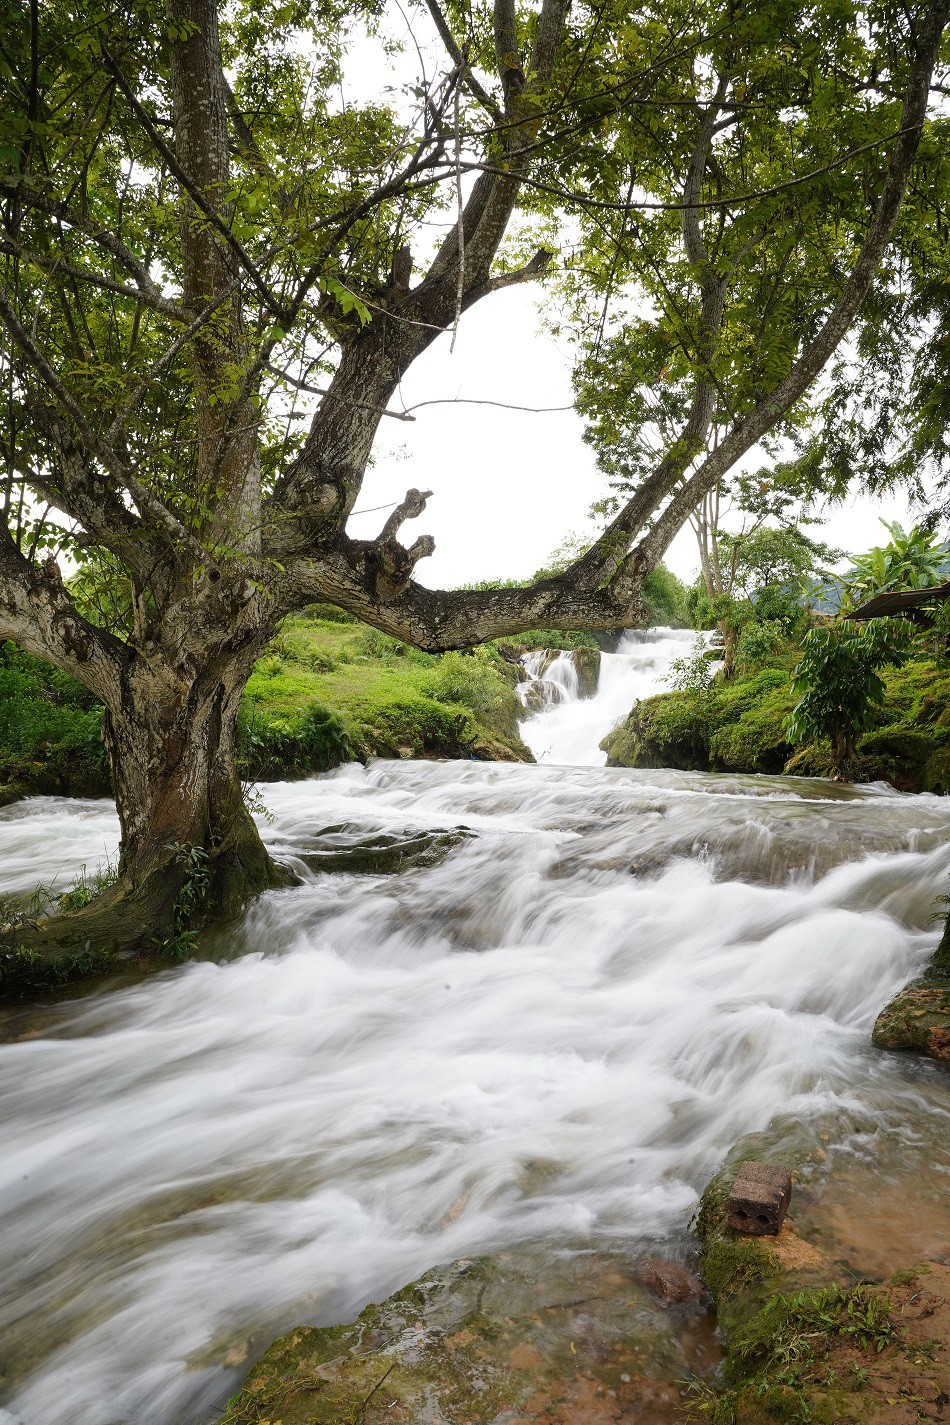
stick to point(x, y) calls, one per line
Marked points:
point(583, 986)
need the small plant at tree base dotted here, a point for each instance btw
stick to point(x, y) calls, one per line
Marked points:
point(838, 685)
point(85, 888)
point(189, 903)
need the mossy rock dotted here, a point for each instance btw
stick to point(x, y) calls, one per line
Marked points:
point(804, 1342)
point(514, 1338)
point(918, 1019)
point(587, 668)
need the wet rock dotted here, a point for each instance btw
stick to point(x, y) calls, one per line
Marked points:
point(759, 1199)
point(522, 1337)
point(668, 1280)
point(587, 667)
point(534, 696)
point(382, 854)
point(918, 1019)
point(807, 1336)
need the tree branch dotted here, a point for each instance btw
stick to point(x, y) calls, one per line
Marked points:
point(468, 78)
point(102, 237)
point(148, 503)
point(37, 612)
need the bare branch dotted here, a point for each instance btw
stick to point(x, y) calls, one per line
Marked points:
point(410, 509)
point(468, 78)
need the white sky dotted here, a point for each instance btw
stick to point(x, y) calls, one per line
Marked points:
point(509, 485)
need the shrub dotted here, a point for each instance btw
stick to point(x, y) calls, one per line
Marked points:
point(759, 640)
point(469, 679)
point(271, 746)
point(838, 686)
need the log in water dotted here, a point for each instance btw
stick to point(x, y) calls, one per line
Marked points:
point(551, 1035)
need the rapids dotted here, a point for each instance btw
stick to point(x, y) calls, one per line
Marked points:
point(549, 1038)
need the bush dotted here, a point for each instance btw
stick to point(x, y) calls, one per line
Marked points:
point(838, 685)
point(470, 679)
point(412, 724)
point(271, 746)
point(758, 641)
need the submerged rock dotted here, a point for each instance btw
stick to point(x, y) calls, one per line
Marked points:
point(668, 1280)
point(507, 1339)
point(385, 853)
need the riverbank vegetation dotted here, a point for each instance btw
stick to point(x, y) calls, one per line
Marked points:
point(327, 690)
point(793, 689)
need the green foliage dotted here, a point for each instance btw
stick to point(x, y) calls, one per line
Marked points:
point(192, 863)
point(474, 680)
point(691, 674)
point(664, 599)
point(838, 685)
point(50, 728)
point(911, 559)
point(87, 887)
point(271, 746)
point(758, 641)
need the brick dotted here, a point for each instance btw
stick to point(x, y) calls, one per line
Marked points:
point(759, 1199)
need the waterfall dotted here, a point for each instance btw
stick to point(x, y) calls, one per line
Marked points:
point(561, 727)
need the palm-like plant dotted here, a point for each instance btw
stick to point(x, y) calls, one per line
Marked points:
point(912, 559)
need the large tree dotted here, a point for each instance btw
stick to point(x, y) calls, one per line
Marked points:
point(202, 241)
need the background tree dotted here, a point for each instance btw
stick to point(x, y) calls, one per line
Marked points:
point(758, 569)
point(838, 687)
point(216, 275)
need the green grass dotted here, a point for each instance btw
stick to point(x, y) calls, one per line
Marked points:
point(377, 697)
point(328, 690)
point(50, 731)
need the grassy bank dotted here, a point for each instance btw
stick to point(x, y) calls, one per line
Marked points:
point(330, 691)
point(327, 691)
point(739, 726)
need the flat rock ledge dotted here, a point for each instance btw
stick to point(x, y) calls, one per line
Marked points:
point(918, 1019)
point(805, 1338)
point(594, 1339)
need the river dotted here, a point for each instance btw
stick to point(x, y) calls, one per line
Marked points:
point(550, 1035)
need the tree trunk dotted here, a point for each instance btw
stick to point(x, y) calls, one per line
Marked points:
point(190, 851)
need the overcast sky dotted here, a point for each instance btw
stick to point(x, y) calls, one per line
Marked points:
point(509, 485)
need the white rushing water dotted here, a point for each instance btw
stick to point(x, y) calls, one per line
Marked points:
point(570, 728)
point(553, 1035)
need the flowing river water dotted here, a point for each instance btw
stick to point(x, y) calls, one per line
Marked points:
point(584, 986)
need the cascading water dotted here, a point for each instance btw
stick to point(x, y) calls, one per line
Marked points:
point(551, 1036)
point(568, 728)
